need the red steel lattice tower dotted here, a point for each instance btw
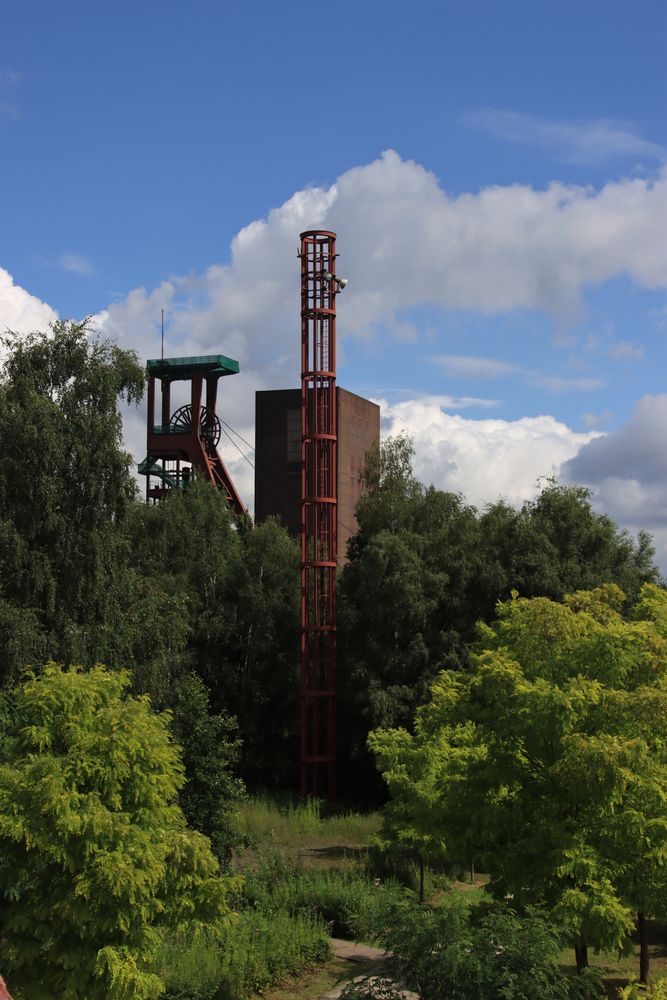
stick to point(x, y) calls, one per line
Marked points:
point(319, 287)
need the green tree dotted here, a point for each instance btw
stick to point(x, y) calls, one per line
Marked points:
point(182, 556)
point(225, 603)
point(411, 776)
point(425, 567)
point(559, 544)
point(257, 672)
point(65, 489)
point(551, 757)
point(391, 492)
point(95, 856)
point(211, 793)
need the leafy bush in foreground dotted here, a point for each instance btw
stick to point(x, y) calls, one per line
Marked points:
point(457, 952)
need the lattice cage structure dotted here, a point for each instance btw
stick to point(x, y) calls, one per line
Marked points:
point(319, 288)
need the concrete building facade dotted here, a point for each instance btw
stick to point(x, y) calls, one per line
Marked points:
point(278, 457)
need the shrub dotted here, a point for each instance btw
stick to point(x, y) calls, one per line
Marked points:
point(489, 953)
point(638, 991)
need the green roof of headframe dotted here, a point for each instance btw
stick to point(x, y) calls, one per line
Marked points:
point(203, 364)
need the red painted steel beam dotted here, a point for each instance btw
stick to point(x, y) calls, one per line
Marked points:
point(319, 499)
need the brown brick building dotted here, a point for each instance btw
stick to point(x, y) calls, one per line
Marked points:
point(278, 456)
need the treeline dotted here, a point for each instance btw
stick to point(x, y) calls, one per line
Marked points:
point(514, 727)
point(204, 608)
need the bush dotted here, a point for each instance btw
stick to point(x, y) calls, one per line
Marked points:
point(637, 991)
point(487, 953)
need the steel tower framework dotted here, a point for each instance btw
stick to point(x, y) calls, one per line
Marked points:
point(319, 287)
point(188, 437)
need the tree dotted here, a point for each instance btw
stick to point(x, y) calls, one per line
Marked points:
point(257, 676)
point(182, 555)
point(551, 758)
point(390, 648)
point(425, 567)
point(65, 489)
point(225, 603)
point(95, 856)
point(559, 544)
point(411, 776)
point(211, 793)
point(391, 495)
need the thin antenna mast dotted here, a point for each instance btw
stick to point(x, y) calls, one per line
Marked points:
point(162, 311)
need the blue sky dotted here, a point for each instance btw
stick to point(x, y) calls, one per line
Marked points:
point(495, 173)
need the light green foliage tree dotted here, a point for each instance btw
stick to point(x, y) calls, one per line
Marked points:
point(65, 488)
point(95, 856)
point(551, 758)
point(412, 776)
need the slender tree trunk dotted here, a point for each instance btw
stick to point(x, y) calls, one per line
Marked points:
point(581, 954)
point(643, 947)
point(472, 871)
point(421, 879)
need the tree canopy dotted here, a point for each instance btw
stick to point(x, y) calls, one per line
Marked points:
point(95, 856)
point(425, 567)
point(547, 760)
point(65, 489)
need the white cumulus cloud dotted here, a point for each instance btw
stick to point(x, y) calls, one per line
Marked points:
point(405, 242)
point(483, 459)
point(20, 311)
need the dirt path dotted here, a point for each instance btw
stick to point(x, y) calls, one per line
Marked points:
point(369, 961)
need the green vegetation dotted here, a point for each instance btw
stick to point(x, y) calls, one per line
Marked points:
point(95, 856)
point(458, 952)
point(425, 568)
point(547, 762)
point(348, 900)
point(267, 822)
point(256, 951)
point(65, 489)
point(531, 746)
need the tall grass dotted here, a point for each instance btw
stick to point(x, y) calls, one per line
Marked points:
point(258, 951)
point(349, 901)
point(271, 821)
